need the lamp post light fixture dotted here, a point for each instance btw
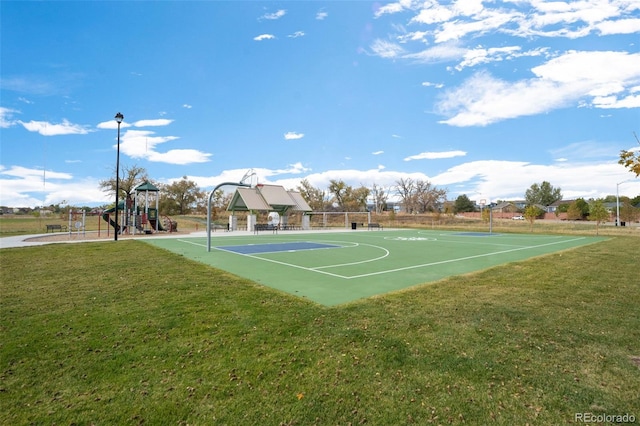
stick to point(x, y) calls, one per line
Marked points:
point(119, 117)
point(618, 200)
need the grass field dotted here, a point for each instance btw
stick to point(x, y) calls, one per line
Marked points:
point(128, 333)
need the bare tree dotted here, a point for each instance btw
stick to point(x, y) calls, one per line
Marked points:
point(379, 198)
point(428, 197)
point(405, 189)
point(132, 177)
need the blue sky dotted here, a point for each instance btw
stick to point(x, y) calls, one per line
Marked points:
point(483, 98)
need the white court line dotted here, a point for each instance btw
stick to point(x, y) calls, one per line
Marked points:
point(442, 262)
point(386, 253)
point(460, 259)
point(270, 260)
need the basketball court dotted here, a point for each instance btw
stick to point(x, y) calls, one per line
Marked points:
point(332, 268)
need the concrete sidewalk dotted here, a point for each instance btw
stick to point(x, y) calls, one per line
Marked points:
point(24, 240)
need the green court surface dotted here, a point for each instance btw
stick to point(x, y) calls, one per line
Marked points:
point(336, 268)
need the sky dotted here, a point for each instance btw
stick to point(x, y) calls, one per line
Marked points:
point(482, 98)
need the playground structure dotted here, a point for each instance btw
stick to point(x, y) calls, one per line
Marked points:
point(137, 214)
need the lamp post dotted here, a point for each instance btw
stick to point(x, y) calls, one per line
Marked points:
point(618, 201)
point(119, 117)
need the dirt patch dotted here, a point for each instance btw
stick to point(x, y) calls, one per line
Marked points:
point(635, 360)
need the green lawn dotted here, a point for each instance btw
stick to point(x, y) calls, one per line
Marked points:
point(127, 333)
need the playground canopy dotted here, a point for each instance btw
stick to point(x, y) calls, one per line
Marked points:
point(146, 186)
point(268, 198)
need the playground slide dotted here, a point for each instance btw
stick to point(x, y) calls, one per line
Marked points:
point(106, 217)
point(152, 222)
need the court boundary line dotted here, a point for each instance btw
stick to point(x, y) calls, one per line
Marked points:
point(423, 265)
point(477, 256)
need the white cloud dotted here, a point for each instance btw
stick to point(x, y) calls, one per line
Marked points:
point(49, 129)
point(481, 55)
point(178, 156)
point(321, 15)
point(478, 179)
point(296, 34)
point(25, 187)
point(5, 117)
point(264, 37)
point(293, 135)
point(562, 81)
point(484, 22)
point(386, 49)
point(112, 125)
point(153, 122)
point(392, 8)
point(429, 84)
point(487, 179)
point(436, 155)
point(144, 144)
point(440, 53)
point(585, 150)
point(613, 102)
point(413, 36)
point(261, 175)
point(433, 13)
point(620, 26)
point(275, 15)
point(377, 153)
point(462, 19)
point(187, 106)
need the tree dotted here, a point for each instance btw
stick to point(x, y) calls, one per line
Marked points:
point(631, 159)
point(578, 210)
point(356, 198)
point(315, 197)
point(338, 189)
point(598, 213)
point(181, 196)
point(464, 204)
point(628, 213)
point(347, 198)
point(531, 213)
point(219, 202)
point(544, 194)
point(420, 196)
point(379, 198)
point(428, 197)
point(405, 189)
point(130, 178)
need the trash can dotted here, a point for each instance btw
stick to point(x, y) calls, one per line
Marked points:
point(622, 223)
point(354, 225)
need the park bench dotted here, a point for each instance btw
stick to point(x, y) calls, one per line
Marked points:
point(56, 227)
point(371, 226)
point(265, 227)
point(290, 227)
point(215, 226)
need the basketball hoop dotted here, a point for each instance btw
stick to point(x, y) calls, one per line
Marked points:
point(250, 173)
